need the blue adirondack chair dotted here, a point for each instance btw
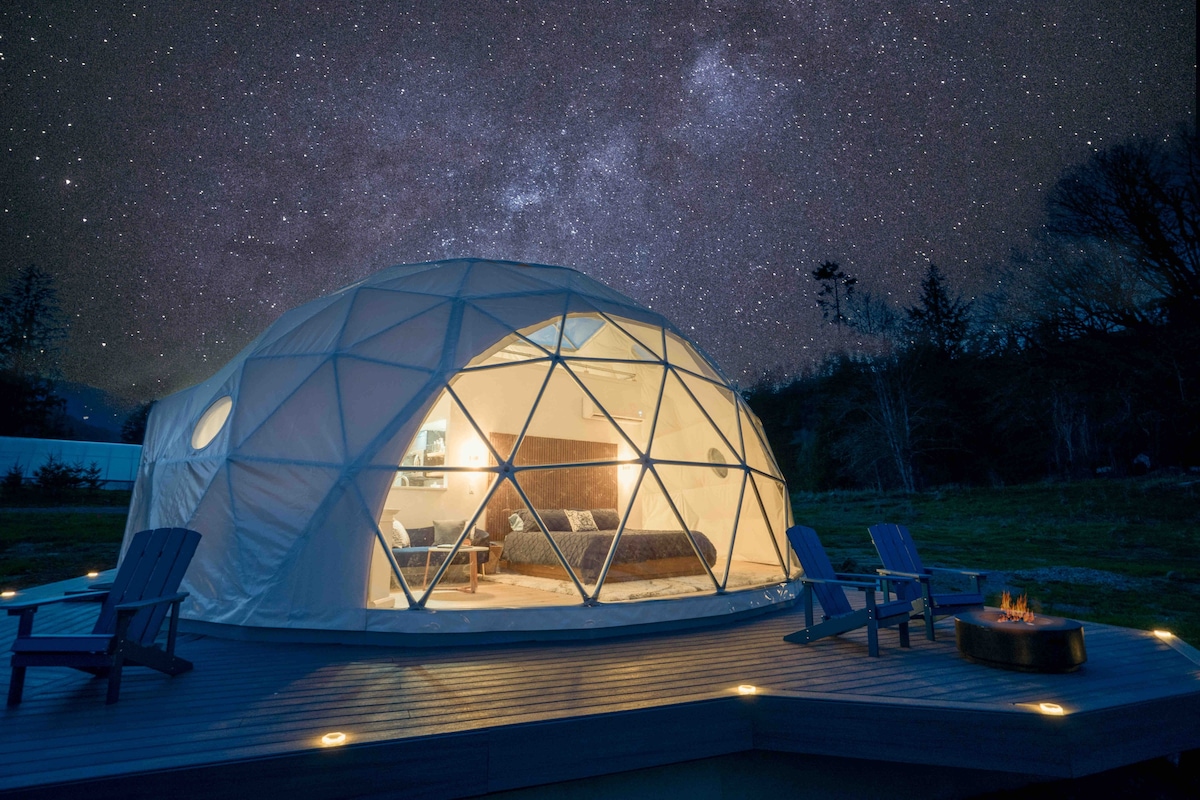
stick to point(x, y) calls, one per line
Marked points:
point(828, 586)
point(898, 553)
point(145, 588)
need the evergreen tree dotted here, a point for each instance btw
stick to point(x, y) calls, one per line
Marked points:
point(133, 431)
point(939, 320)
point(31, 326)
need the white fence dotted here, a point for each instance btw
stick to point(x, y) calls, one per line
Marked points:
point(118, 463)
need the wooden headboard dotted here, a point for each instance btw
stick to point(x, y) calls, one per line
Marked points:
point(581, 487)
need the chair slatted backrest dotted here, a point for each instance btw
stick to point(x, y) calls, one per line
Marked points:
point(898, 553)
point(815, 564)
point(153, 566)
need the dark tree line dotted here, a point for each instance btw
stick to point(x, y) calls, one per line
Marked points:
point(1085, 360)
point(53, 480)
point(31, 327)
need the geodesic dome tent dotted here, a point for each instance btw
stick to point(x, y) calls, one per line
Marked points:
point(497, 447)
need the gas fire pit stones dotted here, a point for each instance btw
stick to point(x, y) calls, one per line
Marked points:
point(1046, 644)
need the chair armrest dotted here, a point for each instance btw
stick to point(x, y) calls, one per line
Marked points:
point(856, 576)
point(137, 605)
point(78, 597)
point(970, 573)
point(28, 608)
point(912, 576)
point(883, 581)
point(864, 585)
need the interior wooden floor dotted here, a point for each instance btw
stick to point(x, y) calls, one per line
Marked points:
point(492, 592)
point(459, 722)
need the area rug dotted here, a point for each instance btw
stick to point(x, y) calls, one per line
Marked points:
point(627, 590)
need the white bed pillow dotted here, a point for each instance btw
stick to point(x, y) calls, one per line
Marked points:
point(400, 537)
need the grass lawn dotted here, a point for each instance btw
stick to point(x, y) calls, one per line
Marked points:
point(1124, 552)
point(1119, 551)
point(39, 547)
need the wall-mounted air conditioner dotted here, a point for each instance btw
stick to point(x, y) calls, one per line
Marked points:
point(625, 413)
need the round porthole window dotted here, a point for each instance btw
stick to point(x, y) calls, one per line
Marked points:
point(715, 457)
point(211, 422)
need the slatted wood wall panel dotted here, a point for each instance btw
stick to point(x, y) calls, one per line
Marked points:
point(584, 487)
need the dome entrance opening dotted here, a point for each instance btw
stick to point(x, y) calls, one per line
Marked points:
point(635, 473)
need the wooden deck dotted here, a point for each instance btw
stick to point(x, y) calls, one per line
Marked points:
point(466, 721)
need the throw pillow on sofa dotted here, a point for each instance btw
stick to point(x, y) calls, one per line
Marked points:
point(446, 531)
point(400, 537)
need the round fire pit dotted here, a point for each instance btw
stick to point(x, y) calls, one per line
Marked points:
point(1047, 644)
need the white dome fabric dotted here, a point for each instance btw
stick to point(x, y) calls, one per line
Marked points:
point(296, 457)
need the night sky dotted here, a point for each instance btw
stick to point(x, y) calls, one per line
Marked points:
point(188, 172)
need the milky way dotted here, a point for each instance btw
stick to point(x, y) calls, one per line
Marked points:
point(188, 172)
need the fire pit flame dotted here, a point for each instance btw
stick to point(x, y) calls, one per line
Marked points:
point(1015, 610)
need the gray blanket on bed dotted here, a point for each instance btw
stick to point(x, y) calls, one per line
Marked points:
point(585, 551)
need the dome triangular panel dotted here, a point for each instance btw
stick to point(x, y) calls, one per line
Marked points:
point(484, 282)
point(683, 572)
point(374, 311)
point(754, 547)
point(501, 400)
point(526, 313)
point(758, 455)
point(416, 342)
point(684, 430)
point(265, 384)
point(372, 394)
point(443, 280)
point(720, 404)
point(621, 397)
point(318, 334)
point(306, 426)
point(685, 357)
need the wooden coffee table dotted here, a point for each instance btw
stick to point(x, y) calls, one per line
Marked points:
point(472, 550)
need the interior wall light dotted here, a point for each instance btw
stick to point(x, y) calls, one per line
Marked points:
point(474, 453)
point(627, 471)
point(474, 456)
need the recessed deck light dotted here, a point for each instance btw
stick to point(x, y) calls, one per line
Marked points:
point(747, 688)
point(1053, 709)
point(333, 739)
point(1164, 634)
point(93, 574)
point(7, 593)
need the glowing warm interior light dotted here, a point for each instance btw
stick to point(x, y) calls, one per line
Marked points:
point(747, 688)
point(333, 739)
point(1163, 634)
point(474, 452)
point(627, 472)
point(1053, 709)
point(8, 593)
